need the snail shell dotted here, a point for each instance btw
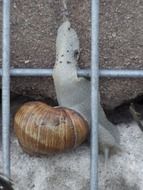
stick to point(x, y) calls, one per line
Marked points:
point(42, 129)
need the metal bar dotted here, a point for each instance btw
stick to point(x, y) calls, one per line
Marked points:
point(94, 93)
point(114, 73)
point(121, 73)
point(5, 72)
point(6, 88)
point(31, 72)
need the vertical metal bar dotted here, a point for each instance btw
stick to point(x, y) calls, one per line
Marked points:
point(6, 88)
point(94, 92)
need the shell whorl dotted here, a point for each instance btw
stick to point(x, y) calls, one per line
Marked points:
point(42, 129)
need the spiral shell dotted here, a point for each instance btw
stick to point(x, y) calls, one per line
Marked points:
point(42, 129)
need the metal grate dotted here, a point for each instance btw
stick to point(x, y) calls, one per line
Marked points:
point(6, 87)
point(6, 72)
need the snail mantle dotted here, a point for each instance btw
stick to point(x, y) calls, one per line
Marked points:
point(42, 129)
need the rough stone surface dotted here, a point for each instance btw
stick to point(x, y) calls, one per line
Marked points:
point(33, 33)
point(71, 170)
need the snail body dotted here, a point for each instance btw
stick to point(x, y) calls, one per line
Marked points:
point(74, 92)
point(42, 129)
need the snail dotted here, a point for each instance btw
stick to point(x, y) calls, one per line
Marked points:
point(74, 92)
point(43, 129)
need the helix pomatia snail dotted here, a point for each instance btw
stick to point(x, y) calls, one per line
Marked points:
point(74, 92)
point(42, 129)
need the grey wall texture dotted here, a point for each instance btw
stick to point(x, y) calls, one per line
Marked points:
point(34, 26)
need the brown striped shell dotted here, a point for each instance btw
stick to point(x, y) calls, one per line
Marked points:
point(42, 129)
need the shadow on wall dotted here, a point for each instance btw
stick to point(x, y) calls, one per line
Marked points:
point(121, 114)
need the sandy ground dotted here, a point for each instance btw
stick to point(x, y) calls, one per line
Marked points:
point(71, 170)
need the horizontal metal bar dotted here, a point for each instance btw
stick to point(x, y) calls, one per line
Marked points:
point(114, 73)
point(31, 72)
point(42, 72)
point(121, 73)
